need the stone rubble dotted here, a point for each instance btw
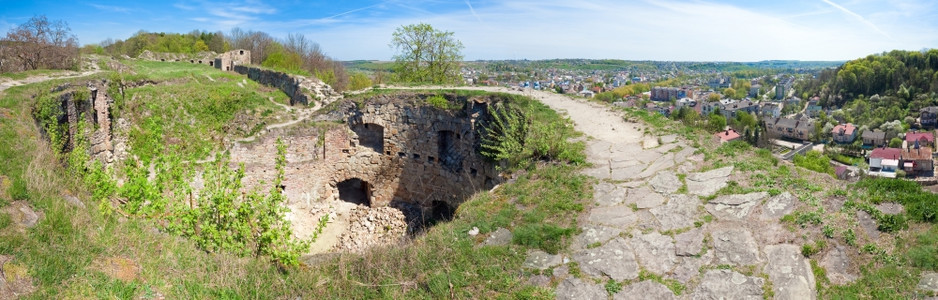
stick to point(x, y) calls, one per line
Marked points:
point(370, 227)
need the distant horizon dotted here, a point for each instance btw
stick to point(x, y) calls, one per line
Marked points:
point(641, 30)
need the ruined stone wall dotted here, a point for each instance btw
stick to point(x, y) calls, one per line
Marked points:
point(301, 90)
point(282, 81)
point(426, 156)
point(96, 110)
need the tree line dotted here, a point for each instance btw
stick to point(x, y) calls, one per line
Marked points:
point(39, 44)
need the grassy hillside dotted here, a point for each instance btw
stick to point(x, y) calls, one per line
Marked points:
point(86, 252)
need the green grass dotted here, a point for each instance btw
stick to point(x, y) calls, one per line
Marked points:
point(30, 73)
point(63, 251)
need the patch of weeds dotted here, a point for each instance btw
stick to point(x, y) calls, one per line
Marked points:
point(683, 188)
point(613, 286)
point(923, 252)
point(828, 231)
point(803, 219)
point(675, 286)
point(774, 192)
point(633, 206)
point(594, 245)
point(820, 275)
point(810, 249)
point(768, 290)
point(850, 237)
point(574, 269)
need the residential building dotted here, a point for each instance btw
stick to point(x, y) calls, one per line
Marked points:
point(928, 117)
point(771, 110)
point(754, 90)
point(814, 108)
point(920, 139)
point(726, 136)
point(918, 161)
point(874, 138)
point(844, 133)
point(729, 110)
point(789, 128)
point(686, 102)
point(885, 161)
point(667, 93)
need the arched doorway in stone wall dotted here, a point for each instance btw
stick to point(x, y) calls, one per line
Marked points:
point(355, 191)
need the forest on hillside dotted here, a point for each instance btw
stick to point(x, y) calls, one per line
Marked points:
point(908, 75)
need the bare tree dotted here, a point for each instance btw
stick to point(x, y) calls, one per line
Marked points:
point(39, 43)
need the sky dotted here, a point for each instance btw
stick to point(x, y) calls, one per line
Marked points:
point(671, 30)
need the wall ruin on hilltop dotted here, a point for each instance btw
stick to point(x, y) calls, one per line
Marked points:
point(96, 110)
point(301, 90)
point(224, 61)
point(393, 152)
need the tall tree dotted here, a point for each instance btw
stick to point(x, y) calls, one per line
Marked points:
point(426, 54)
point(40, 43)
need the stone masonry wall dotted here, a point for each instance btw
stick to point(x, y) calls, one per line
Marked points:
point(301, 90)
point(408, 168)
point(97, 112)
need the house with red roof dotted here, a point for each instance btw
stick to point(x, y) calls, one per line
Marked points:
point(885, 161)
point(726, 136)
point(844, 133)
point(924, 139)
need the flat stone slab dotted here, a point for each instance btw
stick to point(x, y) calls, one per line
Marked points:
point(644, 197)
point(735, 207)
point(688, 243)
point(645, 290)
point(667, 139)
point(735, 246)
point(726, 284)
point(666, 148)
point(22, 215)
point(679, 212)
point(890, 208)
point(665, 182)
point(789, 272)
point(664, 162)
point(649, 143)
point(929, 282)
point(500, 237)
point(710, 175)
point(778, 206)
point(614, 259)
point(592, 234)
point(627, 173)
point(620, 216)
point(868, 224)
point(689, 267)
point(541, 260)
point(576, 289)
point(708, 183)
point(655, 252)
point(608, 194)
point(837, 264)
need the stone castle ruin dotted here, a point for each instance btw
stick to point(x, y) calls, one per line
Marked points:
point(224, 61)
point(96, 109)
point(387, 152)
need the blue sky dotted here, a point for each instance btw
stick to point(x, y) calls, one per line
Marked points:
point(630, 29)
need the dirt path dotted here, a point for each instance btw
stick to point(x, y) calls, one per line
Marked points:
point(36, 79)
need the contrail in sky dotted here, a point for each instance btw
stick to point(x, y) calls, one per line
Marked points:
point(858, 16)
point(473, 11)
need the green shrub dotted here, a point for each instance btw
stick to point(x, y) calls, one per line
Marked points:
point(438, 102)
point(814, 161)
point(520, 134)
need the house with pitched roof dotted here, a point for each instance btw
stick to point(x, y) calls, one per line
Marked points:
point(844, 133)
point(789, 128)
point(874, 138)
point(726, 136)
point(884, 162)
point(920, 138)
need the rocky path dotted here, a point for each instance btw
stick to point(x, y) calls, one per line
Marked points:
point(646, 219)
